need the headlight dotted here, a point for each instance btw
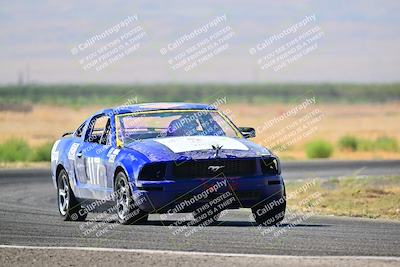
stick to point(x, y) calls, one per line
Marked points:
point(153, 172)
point(270, 166)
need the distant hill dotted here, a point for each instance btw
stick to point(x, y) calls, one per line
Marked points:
point(78, 95)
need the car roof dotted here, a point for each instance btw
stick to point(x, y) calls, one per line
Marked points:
point(158, 106)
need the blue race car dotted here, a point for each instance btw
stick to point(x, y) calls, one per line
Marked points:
point(165, 158)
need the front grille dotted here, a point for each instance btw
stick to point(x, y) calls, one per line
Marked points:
point(214, 168)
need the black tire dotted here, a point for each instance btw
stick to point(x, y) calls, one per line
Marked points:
point(127, 212)
point(68, 207)
point(270, 212)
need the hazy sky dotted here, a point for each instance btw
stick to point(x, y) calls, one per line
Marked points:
point(360, 40)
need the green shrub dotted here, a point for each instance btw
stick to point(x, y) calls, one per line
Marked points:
point(319, 149)
point(348, 142)
point(384, 143)
point(42, 153)
point(387, 144)
point(14, 150)
point(365, 145)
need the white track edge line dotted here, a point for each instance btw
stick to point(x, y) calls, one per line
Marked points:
point(192, 253)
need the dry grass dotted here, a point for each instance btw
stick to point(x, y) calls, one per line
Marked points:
point(372, 197)
point(47, 123)
point(362, 120)
point(42, 124)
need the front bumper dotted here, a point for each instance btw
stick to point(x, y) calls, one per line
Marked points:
point(190, 195)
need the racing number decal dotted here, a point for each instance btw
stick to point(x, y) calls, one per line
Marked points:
point(96, 172)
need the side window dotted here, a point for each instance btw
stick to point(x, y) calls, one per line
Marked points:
point(99, 130)
point(79, 131)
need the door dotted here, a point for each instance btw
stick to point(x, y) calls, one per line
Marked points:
point(91, 156)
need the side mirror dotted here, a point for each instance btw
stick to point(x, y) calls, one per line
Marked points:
point(67, 133)
point(247, 132)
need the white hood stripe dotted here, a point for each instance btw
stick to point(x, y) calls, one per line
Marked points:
point(195, 143)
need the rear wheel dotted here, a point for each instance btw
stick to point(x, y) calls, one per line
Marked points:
point(69, 208)
point(127, 211)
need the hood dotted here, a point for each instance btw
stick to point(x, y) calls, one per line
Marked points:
point(196, 147)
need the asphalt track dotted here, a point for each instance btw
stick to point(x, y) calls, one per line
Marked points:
point(28, 217)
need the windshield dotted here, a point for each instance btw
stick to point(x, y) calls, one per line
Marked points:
point(153, 124)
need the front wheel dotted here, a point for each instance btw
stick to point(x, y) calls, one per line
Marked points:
point(127, 211)
point(69, 208)
point(270, 212)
